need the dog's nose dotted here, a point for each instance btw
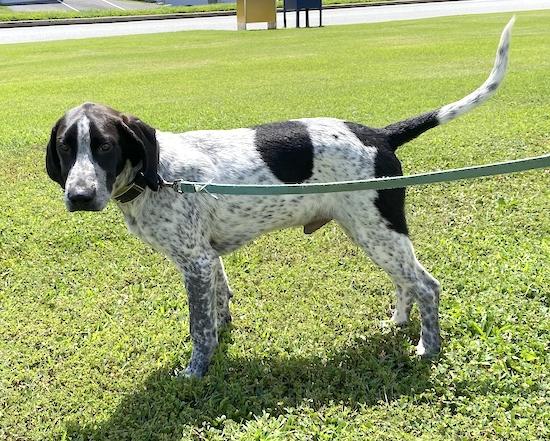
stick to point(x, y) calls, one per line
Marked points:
point(81, 195)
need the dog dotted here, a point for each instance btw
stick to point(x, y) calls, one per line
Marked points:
point(96, 154)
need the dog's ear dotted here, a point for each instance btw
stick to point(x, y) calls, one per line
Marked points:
point(139, 143)
point(53, 164)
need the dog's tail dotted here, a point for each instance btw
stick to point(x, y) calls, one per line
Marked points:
point(403, 131)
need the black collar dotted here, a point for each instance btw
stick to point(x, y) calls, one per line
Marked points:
point(132, 190)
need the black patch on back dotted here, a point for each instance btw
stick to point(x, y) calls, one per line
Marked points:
point(287, 150)
point(390, 203)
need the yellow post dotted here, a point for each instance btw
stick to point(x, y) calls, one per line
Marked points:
point(256, 11)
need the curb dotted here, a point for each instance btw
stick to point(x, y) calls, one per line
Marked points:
point(131, 18)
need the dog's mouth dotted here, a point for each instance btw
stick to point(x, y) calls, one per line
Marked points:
point(83, 206)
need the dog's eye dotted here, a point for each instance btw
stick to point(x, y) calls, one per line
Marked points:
point(105, 147)
point(63, 147)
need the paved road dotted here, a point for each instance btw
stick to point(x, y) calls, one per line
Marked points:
point(330, 17)
point(83, 5)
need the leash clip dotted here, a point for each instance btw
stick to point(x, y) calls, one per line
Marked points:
point(200, 188)
point(176, 186)
point(191, 187)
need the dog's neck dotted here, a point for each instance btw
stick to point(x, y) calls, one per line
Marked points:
point(125, 178)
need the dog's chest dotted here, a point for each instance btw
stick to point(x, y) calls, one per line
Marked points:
point(166, 226)
point(155, 236)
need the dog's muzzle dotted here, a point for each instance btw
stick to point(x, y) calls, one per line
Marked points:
point(82, 199)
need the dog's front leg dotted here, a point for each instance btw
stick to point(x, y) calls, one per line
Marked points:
point(200, 281)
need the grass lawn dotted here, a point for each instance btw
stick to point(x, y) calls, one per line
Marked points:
point(9, 15)
point(92, 322)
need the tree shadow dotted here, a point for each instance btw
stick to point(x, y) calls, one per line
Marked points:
point(377, 369)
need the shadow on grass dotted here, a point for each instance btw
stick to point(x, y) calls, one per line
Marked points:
point(365, 373)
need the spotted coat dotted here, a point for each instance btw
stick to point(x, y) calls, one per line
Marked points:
point(95, 153)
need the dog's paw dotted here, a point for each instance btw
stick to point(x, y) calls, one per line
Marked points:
point(199, 363)
point(399, 319)
point(420, 349)
point(189, 372)
point(426, 352)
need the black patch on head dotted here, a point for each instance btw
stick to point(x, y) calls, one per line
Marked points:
point(70, 137)
point(390, 203)
point(492, 86)
point(114, 139)
point(139, 143)
point(61, 151)
point(287, 150)
point(53, 163)
point(109, 160)
point(67, 155)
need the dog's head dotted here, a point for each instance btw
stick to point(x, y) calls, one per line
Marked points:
point(89, 148)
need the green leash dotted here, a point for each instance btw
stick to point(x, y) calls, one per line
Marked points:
point(479, 171)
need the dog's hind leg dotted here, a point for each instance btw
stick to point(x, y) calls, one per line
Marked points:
point(403, 306)
point(223, 295)
point(394, 253)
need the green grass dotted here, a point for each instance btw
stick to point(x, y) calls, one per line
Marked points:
point(92, 322)
point(9, 15)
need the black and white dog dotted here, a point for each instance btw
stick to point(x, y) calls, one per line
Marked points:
point(96, 153)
